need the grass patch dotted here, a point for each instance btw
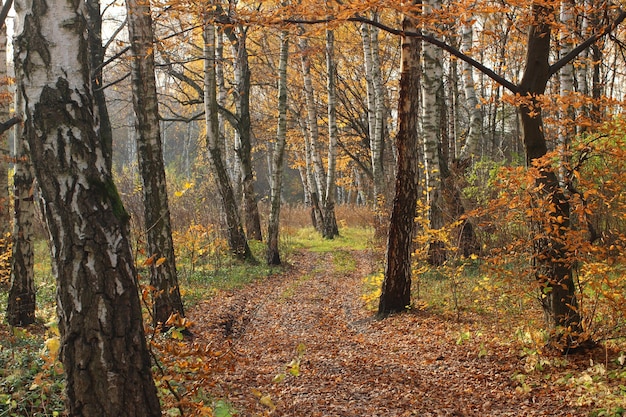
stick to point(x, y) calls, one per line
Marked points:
point(350, 238)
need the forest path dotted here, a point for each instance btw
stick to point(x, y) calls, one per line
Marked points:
point(348, 363)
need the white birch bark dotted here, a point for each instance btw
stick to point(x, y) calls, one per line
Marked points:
point(375, 105)
point(312, 126)
point(432, 85)
point(474, 133)
point(330, 221)
point(276, 178)
point(103, 348)
point(5, 218)
point(566, 88)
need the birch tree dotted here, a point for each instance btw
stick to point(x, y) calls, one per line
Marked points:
point(375, 107)
point(103, 346)
point(330, 229)
point(236, 237)
point(158, 229)
point(273, 254)
point(432, 102)
point(318, 187)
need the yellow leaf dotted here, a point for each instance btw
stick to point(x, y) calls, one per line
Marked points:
point(266, 400)
point(160, 261)
point(53, 345)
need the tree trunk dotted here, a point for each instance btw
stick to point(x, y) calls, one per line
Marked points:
point(474, 133)
point(375, 115)
point(318, 188)
point(236, 237)
point(396, 289)
point(553, 268)
point(432, 97)
point(103, 346)
point(96, 56)
point(276, 179)
point(160, 247)
point(21, 304)
point(330, 229)
point(252, 219)
point(5, 104)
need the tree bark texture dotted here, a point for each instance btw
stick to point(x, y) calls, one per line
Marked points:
point(319, 186)
point(273, 254)
point(21, 304)
point(236, 237)
point(330, 229)
point(160, 246)
point(97, 52)
point(251, 216)
point(5, 104)
point(103, 346)
point(396, 289)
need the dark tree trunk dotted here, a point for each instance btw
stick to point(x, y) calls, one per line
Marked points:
point(553, 269)
point(396, 289)
point(160, 246)
point(103, 347)
point(21, 304)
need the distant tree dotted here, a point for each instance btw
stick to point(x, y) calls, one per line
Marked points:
point(236, 237)
point(277, 167)
point(103, 347)
point(158, 228)
point(330, 229)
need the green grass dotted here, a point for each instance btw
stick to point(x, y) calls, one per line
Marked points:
point(350, 238)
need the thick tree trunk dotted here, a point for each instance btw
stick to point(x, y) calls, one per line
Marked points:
point(330, 229)
point(21, 304)
point(160, 246)
point(553, 268)
point(273, 254)
point(236, 237)
point(103, 346)
point(396, 289)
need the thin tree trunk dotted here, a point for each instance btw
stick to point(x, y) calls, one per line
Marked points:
point(474, 135)
point(396, 289)
point(21, 304)
point(273, 254)
point(5, 104)
point(160, 246)
point(375, 112)
point(236, 237)
point(313, 128)
point(432, 97)
point(330, 221)
point(103, 346)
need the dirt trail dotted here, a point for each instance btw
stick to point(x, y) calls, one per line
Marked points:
point(352, 364)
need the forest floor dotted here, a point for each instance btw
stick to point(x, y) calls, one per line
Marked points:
point(303, 343)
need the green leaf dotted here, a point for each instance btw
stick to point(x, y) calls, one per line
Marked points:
point(223, 409)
